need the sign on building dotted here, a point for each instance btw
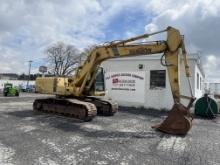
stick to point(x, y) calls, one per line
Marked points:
point(126, 86)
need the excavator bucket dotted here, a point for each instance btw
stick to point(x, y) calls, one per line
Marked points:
point(178, 121)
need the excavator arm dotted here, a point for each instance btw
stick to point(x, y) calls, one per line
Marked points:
point(125, 48)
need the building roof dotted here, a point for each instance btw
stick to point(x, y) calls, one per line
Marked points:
point(193, 56)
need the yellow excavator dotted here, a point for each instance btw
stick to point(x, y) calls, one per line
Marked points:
point(78, 96)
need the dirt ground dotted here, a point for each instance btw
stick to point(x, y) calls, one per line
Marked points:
point(27, 137)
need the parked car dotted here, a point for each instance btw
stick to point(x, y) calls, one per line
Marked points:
point(27, 88)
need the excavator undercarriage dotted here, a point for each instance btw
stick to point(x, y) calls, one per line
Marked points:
point(80, 108)
point(68, 107)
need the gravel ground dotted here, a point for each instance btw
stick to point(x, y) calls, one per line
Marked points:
point(28, 137)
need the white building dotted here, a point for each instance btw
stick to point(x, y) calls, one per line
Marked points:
point(143, 81)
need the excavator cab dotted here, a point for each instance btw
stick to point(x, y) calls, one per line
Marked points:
point(99, 84)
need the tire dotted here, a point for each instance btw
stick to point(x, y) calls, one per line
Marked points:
point(5, 94)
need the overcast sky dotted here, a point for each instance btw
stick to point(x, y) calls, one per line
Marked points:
point(27, 27)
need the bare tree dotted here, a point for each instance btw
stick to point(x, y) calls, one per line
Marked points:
point(63, 59)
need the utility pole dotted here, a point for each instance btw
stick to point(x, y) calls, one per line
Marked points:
point(29, 73)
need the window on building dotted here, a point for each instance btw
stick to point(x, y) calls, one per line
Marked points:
point(197, 80)
point(157, 79)
point(200, 83)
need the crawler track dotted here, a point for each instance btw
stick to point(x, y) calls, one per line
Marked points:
point(75, 108)
point(104, 107)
